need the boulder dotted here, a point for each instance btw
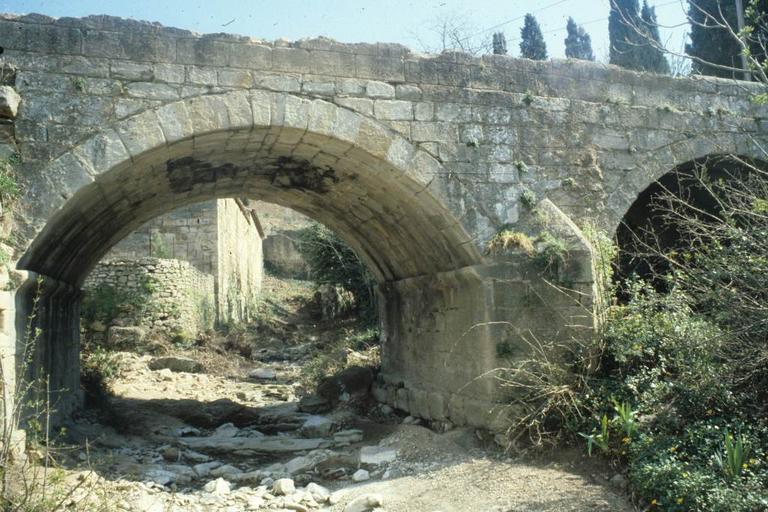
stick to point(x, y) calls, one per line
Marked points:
point(218, 486)
point(319, 493)
point(283, 487)
point(262, 374)
point(355, 381)
point(316, 426)
point(361, 475)
point(314, 404)
point(364, 503)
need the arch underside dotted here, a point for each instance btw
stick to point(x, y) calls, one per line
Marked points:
point(398, 227)
point(644, 229)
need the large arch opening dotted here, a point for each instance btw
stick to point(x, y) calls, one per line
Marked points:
point(359, 178)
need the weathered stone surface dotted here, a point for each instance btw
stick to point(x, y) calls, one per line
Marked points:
point(116, 126)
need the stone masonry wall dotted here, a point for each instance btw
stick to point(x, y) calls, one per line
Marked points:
point(217, 237)
point(281, 229)
point(176, 296)
point(188, 233)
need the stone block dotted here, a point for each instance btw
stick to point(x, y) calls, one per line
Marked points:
point(251, 56)
point(379, 90)
point(393, 110)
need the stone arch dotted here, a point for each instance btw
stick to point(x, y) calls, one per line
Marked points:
point(641, 217)
point(348, 171)
point(357, 176)
point(625, 188)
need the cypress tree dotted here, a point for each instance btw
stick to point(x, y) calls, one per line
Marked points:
point(578, 44)
point(532, 45)
point(499, 43)
point(652, 54)
point(624, 39)
point(715, 44)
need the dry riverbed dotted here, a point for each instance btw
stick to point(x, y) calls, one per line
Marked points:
point(190, 441)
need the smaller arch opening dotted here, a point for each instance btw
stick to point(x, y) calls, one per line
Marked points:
point(660, 223)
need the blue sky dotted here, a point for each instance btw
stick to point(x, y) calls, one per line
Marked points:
point(411, 22)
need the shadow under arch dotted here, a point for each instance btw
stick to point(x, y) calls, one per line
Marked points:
point(645, 229)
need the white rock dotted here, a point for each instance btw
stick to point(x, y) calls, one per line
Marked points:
point(364, 503)
point(360, 475)
point(225, 431)
point(299, 464)
point(9, 102)
point(262, 374)
point(376, 455)
point(218, 486)
point(165, 374)
point(205, 468)
point(283, 487)
point(160, 476)
point(319, 493)
point(226, 471)
point(316, 426)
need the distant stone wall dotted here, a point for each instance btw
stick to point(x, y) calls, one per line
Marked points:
point(217, 237)
point(240, 264)
point(282, 256)
point(173, 296)
point(188, 233)
point(281, 229)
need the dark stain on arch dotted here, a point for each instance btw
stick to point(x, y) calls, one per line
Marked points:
point(300, 174)
point(186, 172)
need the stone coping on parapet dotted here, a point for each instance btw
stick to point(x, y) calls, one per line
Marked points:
point(119, 38)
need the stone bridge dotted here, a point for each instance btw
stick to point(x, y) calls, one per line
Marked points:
point(417, 161)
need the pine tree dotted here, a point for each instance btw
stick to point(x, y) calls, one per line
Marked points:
point(499, 43)
point(532, 45)
point(578, 44)
point(652, 54)
point(624, 39)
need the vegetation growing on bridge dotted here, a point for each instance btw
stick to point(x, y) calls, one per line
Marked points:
point(674, 384)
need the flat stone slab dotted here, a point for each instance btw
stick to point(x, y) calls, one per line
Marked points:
point(265, 444)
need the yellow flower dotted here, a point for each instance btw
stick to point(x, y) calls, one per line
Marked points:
point(685, 474)
point(753, 461)
point(679, 501)
point(653, 502)
point(744, 466)
point(626, 440)
point(673, 449)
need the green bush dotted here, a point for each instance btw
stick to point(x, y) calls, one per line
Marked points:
point(331, 261)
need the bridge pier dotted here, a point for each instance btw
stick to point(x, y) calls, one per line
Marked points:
point(449, 337)
point(40, 347)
